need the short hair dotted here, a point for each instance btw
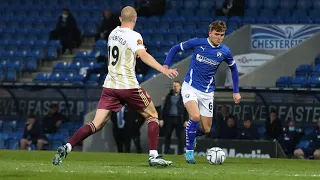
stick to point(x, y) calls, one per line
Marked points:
point(219, 26)
point(128, 13)
point(176, 81)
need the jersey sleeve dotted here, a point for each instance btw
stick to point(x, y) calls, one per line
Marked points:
point(229, 58)
point(190, 44)
point(136, 43)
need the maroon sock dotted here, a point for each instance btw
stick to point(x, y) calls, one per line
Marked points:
point(153, 133)
point(82, 133)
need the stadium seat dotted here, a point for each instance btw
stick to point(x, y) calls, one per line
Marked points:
point(314, 81)
point(304, 70)
point(10, 75)
point(13, 144)
point(271, 4)
point(298, 82)
point(304, 4)
point(40, 78)
point(254, 4)
point(140, 78)
point(316, 5)
point(287, 4)
point(60, 67)
point(93, 79)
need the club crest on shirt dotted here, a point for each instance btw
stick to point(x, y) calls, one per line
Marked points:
point(219, 54)
point(139, 42)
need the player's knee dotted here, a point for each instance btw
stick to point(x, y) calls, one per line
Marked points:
point(195, 117)
point(316, 154)
point(23, 141)
point(298, 153)
point(40, 142)
point(206, 129)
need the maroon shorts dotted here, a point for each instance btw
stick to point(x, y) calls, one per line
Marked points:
point(114, 99)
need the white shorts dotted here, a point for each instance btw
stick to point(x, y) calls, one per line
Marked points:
point(204, 100)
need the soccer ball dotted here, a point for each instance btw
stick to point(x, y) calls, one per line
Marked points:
point(216, 156)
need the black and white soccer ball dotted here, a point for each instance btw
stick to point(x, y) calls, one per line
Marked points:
point(216, 156)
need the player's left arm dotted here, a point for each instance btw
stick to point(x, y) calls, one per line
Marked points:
point(179, 47)
point(235, 76)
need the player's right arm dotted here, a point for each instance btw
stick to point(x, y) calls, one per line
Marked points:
point(150, 61)
point(191, 43)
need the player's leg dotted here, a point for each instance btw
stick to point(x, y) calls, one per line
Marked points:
point(298, 153)
point(101, 117)
point(206, 112)
point(190, 101)
point(40, 143)
point(191, 129)
point(151, 115)
point(316, 154)
point(108, 102)
point(139, 100)
point(24, 143)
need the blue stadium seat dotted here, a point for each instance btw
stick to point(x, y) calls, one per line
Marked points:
point(316, 70)
point(262, 20)
point(314, 81)
point(298, 82)
point(305, 20)
point(140, 78)
point(299, 13)
point(218, 4)
point(60, 67)
point(290, 20)
point(149, 76)
point(78, 79)
point(316, 5)
point(93, 79)
point(40, 78)
point(304, 4)
point(248, 20)
point(174, 4)
point(30, 64)
point(283, 13)
point(314, 12)
point(13, 144)
point(206, 4)
point(11, 75)
point(267, 12)
point(276, 20)
point(190, 4)
point(271, 4)
point(304, 70)
point(287, 4)
point(254, 4)
point(55, 77)
point(283, 81)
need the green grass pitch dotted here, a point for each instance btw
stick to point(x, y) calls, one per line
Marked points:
point(36, 165)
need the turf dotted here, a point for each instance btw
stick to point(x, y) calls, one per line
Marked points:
point(79, 165)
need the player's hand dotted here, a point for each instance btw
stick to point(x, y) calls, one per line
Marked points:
point(161, 122)
point(170, 73)
point(236, 98)
point(166, 66)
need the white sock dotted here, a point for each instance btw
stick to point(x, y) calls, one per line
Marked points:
point(69, 147)
point(153, 153)
point(188, 150)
